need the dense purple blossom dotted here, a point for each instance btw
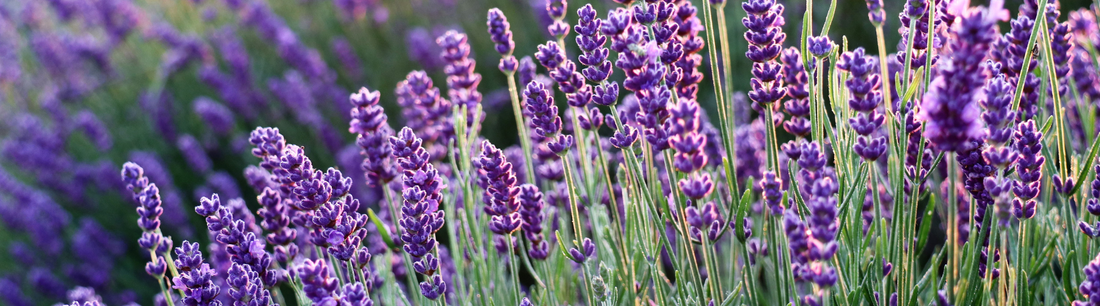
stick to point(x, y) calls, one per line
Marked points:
point(496, 177)
point(1029, 169)
point(425, 112)
point(501, 35)
point(865, 99)
point(368, 120)
point(421, 217)
point(539, 105)
point(531, 208)
point(765, 35)
point(242, 245)
point(798, 107)
point(1010, 50)
point(1091, 284)
point(917, 12)
point(195, 279)
point(462, 81)
point(246, 288)
point(949, 108)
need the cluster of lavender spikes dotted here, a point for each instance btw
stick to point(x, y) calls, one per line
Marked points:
point(954, 86)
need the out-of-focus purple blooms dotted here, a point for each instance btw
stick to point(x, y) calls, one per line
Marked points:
point(496, 177)
point(425, 112)
point(1061, 43)
point(1083, 23)
point(949, 108)
point(530, 210)
point(11, 293)
point(798, 107)
point(462, 81)
point(1093, 203)
point(865, 98)
point(556, 9)
point(1010, 51)
point(216, 116)
point(916, 12)
point(998, 117)
point(875, 12)
point(94, 129)
point(1090, 286)
point(422, 49)
point(194, 153)
point(1029, 168)
point(348, 59)
point(46, 283)
point(765, 35)
point(369, 122)
point(527, 71)
point(421, 217)
point(689, 143)
point(772, 193)
point(195, 277)
point(159, 105)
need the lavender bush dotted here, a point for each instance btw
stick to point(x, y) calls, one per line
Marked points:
point(631, 170)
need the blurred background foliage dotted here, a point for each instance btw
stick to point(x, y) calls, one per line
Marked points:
point(145, 93)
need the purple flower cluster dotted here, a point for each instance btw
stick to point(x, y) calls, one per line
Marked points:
point(531, 213)
point(689, 143)
point(875, 12)
point(689, 26)
point(501, 35)
point(556, 9)
point(765, 35)
point(462, 81)
point(916, 10)
point(1028, 142)
point(1093, 206)
point(241, 243)
point(196, 277)
point(539, 105)
point(323, 289)
point(368, 119)
point(425, 112)
point(949, 108)
point(1090, 286)
point(1010, 51)
point(421, 217)
point(1061, 45)
point(798, 107)
point(149, 209)
point(865, 99)
point(496, 177)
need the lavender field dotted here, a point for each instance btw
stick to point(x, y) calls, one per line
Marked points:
point(549, 152)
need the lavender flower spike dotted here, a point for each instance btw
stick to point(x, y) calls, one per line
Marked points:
point(501, 35)
point(949, 108)
point(1029, 169)
point(149, 209)
point(531, 206)
point(195, 279)
point(765, 35)
point(368, 119)
point(1090, 286)
point(421, 217)
point(865, 99)
point(496, 177)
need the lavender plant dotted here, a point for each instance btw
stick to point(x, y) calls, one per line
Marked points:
point(613, 186)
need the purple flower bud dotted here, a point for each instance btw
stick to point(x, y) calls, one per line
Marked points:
point(819, 46)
